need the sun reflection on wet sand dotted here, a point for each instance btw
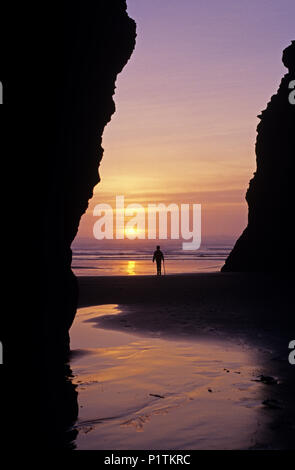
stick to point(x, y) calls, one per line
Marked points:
point(149, 393)
point(131, 268)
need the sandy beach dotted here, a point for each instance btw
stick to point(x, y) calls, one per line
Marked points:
point(225, 326)
point(248, 304)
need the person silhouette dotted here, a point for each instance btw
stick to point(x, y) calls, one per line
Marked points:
point(159, 257)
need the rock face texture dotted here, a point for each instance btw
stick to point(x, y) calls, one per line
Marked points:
point(61, 66)
point(266, 245)
point(96, 42)
point(98, 39)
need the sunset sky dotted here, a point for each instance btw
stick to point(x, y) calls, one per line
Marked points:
point(185, 125)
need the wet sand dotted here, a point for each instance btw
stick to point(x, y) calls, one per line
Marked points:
point(252, 305)
point(162, 348)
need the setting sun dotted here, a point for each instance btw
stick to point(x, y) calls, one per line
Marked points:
point(131, 231)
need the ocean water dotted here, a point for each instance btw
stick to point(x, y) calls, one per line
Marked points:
point(88, 261)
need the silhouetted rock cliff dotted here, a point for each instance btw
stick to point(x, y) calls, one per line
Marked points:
point(59, 71)
point(95, 42)
point(267, 242)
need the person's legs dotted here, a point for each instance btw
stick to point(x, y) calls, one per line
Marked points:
point(159, 269)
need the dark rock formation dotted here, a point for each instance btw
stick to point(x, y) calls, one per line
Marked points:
point(59, 73)
point(97, 42)
point(267, 244)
